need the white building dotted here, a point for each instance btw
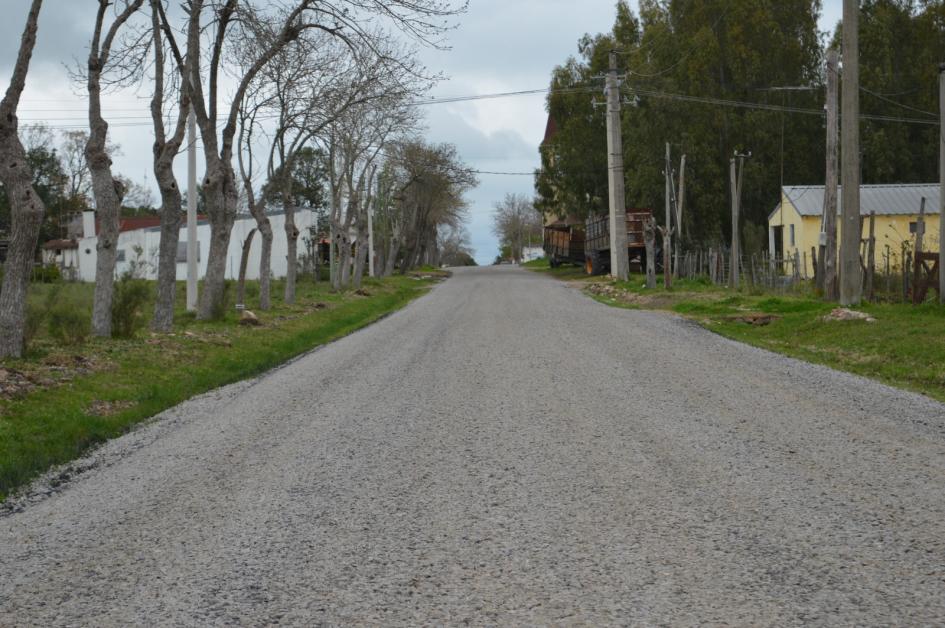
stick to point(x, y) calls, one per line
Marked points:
point(139, 245)
point(531, 253)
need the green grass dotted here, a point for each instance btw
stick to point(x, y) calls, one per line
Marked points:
point(136, 379)
point(569, 272)
point(905, 347)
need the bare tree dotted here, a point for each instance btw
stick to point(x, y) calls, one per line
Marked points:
point(421, 190)
point(515, 222)
point(166, 148)
point(424, 20)
point(105, 188)
point(250, 108)
point(26, 208)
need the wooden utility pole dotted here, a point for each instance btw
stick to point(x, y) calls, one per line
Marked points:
point(667, 230)
point(941, 191)
point(871, 259)
point(649, 241)
point(829, 252)
point(619, 257)
point(680, 201)
point(737, 175)
point(851, 281)
point(919, 249)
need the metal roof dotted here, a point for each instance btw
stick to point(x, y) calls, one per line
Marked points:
point(886, 200)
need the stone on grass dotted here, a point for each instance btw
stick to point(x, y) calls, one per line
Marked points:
point(249, 319)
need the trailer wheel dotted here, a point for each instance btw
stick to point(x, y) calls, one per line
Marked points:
point(593, 265)
point(553, 262)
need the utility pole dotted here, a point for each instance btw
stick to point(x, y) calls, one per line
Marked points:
point(370, 240)
point(192, 211)
point(668, 229)
point(851, 283)
point(736, 175)
point(733, 182)
point(619, 258)
point(941, 191)
point(680, 202)
point(828, 261)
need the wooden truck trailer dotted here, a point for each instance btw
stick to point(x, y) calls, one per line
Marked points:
point(564, 244)
point(597, 242)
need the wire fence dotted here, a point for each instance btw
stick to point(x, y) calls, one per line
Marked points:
point(893, 278)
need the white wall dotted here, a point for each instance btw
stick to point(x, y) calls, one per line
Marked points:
point(149, 241)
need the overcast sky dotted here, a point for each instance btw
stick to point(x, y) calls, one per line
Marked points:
point(500, 46)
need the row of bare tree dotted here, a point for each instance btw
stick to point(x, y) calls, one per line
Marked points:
point(265, 81)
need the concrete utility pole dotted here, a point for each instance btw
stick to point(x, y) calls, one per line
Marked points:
point(619, 258)
point(829, 251)
point(941, 191)
point(851, 282)
point(191, 211)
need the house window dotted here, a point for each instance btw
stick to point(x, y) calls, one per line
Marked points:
point(792, 235)
point(121, 255)
point(913, 227)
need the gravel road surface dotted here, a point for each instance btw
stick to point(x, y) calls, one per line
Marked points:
point(505, 451)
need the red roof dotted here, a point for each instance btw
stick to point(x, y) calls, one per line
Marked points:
point(133, 223)
point(52, 245)
point(551, 129)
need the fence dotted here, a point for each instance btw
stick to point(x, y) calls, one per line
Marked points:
point(896, 277)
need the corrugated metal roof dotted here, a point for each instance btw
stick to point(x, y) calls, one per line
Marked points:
point(888, 200)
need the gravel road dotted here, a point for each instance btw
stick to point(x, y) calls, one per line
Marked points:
point(505, 451)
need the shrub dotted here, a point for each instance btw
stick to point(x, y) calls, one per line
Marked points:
point(47, 274)
point(69, 324)
point(131, 296)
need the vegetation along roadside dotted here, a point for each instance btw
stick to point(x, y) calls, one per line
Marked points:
point(71, 391)
point(902, 345)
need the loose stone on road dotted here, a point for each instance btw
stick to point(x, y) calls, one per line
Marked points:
point(504, 451)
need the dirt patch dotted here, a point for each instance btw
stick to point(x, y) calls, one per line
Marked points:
point(843, 314)
point(361, 292)
point(647, 301)
point(756, 320)
point(14, 383)
point(108, 408)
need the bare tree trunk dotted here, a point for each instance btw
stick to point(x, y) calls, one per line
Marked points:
point(26, 208)
point(106, 190)
point(292, 239)
point(244, 262)
point(221, 197)
point(165, 150)
point(649, 240)
point(108, 209)
point(344, 258)
point(167, 261)
point(265, 264)
point(361, 256)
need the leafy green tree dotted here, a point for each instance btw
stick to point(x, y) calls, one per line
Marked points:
point(49, 181)
point(734, 50)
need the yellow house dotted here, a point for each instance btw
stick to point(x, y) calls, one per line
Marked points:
point(795, 224)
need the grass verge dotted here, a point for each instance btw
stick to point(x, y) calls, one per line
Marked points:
point(904, 347)
point(123, 382)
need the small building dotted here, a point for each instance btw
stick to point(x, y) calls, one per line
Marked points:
point(139, 242)
point(794, 226)
point(65, 255)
